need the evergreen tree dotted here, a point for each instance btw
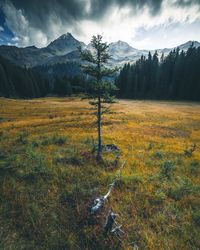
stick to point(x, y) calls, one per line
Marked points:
point(20, 82)
point(175, 76)
point(62, 87)
point(101, 90)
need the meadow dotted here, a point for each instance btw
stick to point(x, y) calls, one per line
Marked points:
point(49, 176)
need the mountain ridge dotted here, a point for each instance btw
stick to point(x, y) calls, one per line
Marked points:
point(65, 44)
point(62, 49)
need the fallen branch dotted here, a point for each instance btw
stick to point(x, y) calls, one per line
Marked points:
point(117, 231)
point(118, 175)
point(134, 245)
point(99, 202)
point(111, 226)
point(105, 148)
point(110, 221)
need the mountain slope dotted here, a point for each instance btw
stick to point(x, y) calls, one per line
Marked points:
point(122, 52)
point(64, 50)
point(32, 56)
point(65, 44)
point(188, 44)
point(184, 47)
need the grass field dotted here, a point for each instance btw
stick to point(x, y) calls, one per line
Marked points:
point(48, 175)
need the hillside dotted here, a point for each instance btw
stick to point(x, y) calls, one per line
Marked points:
point(49, 177)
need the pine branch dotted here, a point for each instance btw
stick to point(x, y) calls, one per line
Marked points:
point(108, 72)
point(90, 70)
point(86, 55)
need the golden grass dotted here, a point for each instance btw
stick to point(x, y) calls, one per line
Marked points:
point(157, 212)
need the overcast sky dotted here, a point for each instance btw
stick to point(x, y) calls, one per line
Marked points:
point(144, 24)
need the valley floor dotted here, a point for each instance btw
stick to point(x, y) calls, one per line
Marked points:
point(48, 175)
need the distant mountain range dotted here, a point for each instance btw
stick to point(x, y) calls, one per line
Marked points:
point(63, 50)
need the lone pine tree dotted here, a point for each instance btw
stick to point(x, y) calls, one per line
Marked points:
point(100, 89)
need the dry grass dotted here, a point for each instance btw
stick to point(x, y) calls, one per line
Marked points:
point(49, 177)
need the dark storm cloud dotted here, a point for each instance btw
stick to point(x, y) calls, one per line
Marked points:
point(187, 2)
point(38, 11)
point(99, 8)
point(67, 13)
point(49, 18)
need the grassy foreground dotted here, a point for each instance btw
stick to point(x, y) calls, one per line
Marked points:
point(48, 175)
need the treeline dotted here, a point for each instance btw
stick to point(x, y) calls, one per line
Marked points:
point(176, 77)
point(21, 82)
point(66, 86)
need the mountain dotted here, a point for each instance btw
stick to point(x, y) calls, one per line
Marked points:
point(121, 49)
point(184, 47)
point(121, 52)
point(32, 56)
point(29, 56)
point(64, 45)
point(64, 51)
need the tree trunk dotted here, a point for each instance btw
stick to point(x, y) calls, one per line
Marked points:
point(99, 152)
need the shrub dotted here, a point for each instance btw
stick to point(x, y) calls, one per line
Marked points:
point(189, 151)
point(194, 167)
point(159, 196)
point(8, 165)
point(158, 155)
point(167, 169)
point(2, 136)
point(196, 218)
point(35, 144)
point(150, 146)
point(22, 137)
point(184, 187)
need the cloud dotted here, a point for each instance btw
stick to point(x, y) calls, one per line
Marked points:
point(158, 30)
point(74, 10)
point(162, 35)
point(40, 21)
point(21, 27)
point(1, 29)
point(15, 39)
